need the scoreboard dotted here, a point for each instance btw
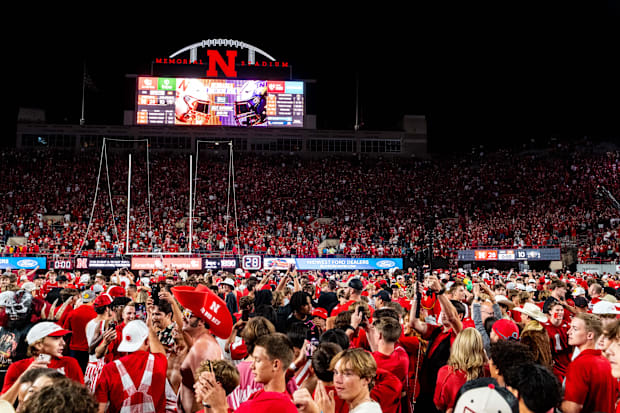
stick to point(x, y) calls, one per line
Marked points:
point(519, 254)
point(219, 102)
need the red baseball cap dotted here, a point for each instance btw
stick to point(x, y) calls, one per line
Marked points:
point(102, 301)
point(506, 329)
point(320, 312)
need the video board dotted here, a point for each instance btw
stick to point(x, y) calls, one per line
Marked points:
point(219, 102)
point(520, 254)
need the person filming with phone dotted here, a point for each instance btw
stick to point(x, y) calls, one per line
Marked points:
point(46, 344)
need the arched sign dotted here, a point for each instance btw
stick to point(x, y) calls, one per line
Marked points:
point(214, 59)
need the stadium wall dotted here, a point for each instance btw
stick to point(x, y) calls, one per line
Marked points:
point(304, 142)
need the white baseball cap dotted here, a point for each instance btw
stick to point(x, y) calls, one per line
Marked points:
point(29, 286)
point(490, 398)
point(45, 329)
point(134, 334)
point(228, 281)
point(604, 307)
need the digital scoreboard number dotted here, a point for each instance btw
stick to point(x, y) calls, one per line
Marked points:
point(252, 262)
point(62, 264)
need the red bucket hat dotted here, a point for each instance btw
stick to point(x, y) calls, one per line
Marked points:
point(203, 303)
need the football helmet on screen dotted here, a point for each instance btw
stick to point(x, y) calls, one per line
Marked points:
point(251, 103)
point(192, 104)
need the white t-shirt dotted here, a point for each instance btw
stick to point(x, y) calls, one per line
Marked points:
point(367, 407)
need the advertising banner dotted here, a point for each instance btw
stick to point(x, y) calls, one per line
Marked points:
point(281, 264)
point(333, 263)
point(156, 263)
point(26, 263)
point(108, 263)
point(219, 264)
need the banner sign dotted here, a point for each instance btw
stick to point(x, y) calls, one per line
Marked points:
point(156, 263)
point(107, 263)
point(26, 263)
point(542, 254)
point(219, 264)
point(333, 263)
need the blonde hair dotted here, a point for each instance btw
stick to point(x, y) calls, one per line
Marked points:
point(467, 353)
point(361, 362)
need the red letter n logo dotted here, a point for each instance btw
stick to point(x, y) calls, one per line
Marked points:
point(215, 58)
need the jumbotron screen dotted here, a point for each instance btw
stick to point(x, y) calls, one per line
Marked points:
point(219, 102)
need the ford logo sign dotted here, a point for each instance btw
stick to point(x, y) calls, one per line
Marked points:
point(27, 263)
point(385, 264)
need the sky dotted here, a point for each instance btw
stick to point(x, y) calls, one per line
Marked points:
point(479, 74)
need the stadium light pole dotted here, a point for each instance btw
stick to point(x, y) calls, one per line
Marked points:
point(82, 120)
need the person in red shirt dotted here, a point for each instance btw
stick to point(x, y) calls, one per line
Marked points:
point(589, 385)
point(440, 340)
point(557, 329)
point(383, 335)
point(467, 362)
point(46, 342)
point(145, 366)
point(353, 294)
point(594, 291)
point(272, 356)
point(76, 322)
point(50, 282)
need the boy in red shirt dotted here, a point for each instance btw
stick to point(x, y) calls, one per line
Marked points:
point(383, 336)
point(46, 341)
point(272, 354)
point(589, 385)
point(557, 329)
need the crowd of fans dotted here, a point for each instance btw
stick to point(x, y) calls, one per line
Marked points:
point(374, 207)
point(383, 341)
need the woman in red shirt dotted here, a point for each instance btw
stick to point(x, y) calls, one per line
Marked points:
point(467, 362)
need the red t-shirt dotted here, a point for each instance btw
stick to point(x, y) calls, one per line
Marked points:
point(341, 307)
point(449, 382)
point(76, 322)
point(397, 363)
point(387, 391)
point(48, 286)
point(66, 365)
point(360, 340)
point(411, 344)
point(561, 351)
point(238, 351)
point(268, 402)
point(589, 382)
point(110, 388)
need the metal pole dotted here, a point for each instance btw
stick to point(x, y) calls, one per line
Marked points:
point(82, 120)
point(191, 217)
point(128, 201)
